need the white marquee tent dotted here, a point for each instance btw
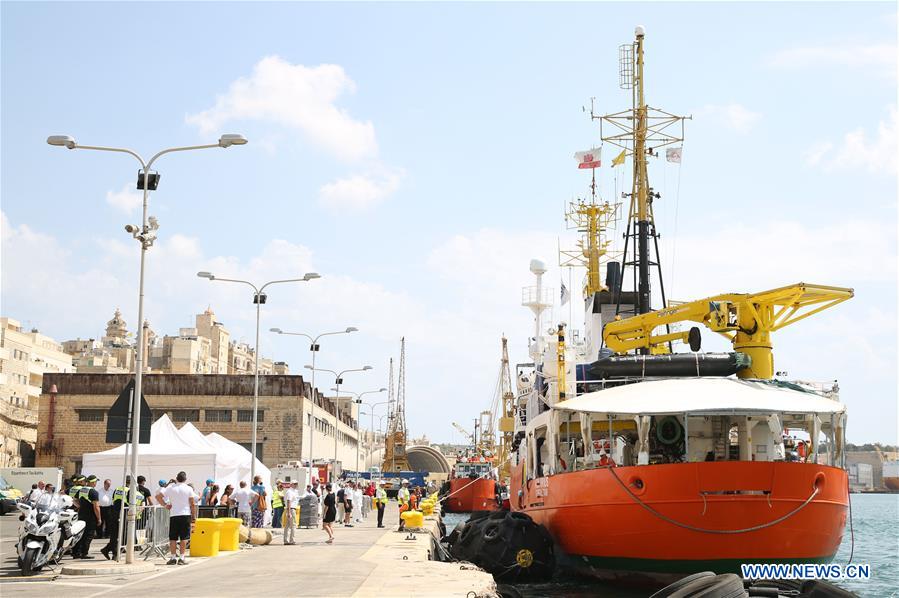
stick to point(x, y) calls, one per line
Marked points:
point(172, 450)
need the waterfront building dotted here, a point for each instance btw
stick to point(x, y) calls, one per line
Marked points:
point(25, 357)
point(73, 419)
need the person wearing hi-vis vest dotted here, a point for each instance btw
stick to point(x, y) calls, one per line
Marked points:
point(381, 502)
point(119, 495)
point(278, 503)
point(403, 497)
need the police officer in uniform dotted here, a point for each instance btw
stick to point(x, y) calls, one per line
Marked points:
point(119, 496)
point(381, 502)
point(89, 513)
point(75, 487)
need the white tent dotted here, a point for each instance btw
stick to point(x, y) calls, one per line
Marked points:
point(233, 462)
point(172, 450)
point(702, 395)
point(166, 455)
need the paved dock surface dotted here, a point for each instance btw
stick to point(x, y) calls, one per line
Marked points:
point(362, 561)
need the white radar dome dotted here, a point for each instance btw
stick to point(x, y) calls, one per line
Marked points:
point(538, 266)
point(639, 31)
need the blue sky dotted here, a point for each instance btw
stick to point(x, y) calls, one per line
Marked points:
point(418, 155)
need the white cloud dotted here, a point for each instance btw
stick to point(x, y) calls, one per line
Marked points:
point(360, 191)
point(127, 200)
point(777, 253)
point(733, 116)
point(878, 56)
point(857, 151)
point(293, 95)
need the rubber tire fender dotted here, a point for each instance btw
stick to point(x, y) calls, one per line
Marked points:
point(493, 532)
point(727, 585)
point(680, 583)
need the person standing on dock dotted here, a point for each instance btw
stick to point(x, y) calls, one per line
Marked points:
point(330, 513)
point(381, 502)
point(278, 502)
point(402, 497)
point(290, 498)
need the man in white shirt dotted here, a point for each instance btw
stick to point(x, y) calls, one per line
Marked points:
point(244, 499)
point(35, 494)
point(291, 498)
point(179, 499)
point(105, 493)
point(357, 502)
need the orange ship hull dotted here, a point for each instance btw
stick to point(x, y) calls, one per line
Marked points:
point(468, 495)
point(667, 526)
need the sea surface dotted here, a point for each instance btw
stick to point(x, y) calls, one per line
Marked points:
point(875, 528)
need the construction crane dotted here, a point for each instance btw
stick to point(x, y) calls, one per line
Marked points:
point(747, 320)
point(465, 433)
point(395, 458)
point(506, 417)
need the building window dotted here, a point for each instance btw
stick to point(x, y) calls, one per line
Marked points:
point(91, 415)
point(218, 415)
point(249, 447)
point(185, 415)
point(246, 415)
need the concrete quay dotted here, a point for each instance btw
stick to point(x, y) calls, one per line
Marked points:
point(363, 561)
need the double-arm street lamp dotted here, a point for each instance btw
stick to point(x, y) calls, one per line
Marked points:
point(358, 401)
point(313, 347)
point(380, 425)
point(146, 235)
point(338, 380)
point(258, 298)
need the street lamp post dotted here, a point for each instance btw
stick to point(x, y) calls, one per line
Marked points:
point(314, 349)
point(358, 401)
point(380, 425)
point(338, 379)
point(146, 235)
point(258, 298)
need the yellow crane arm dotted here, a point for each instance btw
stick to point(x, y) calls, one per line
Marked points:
point(747, 320)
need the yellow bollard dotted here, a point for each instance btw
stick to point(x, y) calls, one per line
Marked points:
point(204, 541)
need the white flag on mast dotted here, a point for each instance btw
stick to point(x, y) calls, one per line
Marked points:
point(589, 158)
point(672, 154)
point(565, 294)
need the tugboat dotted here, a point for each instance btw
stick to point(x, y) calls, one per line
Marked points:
point(646, 464)
point(473, 486)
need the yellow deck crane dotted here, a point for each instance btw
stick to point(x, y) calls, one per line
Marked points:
point(747, 320)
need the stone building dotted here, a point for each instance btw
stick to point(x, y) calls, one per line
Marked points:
point(73, 419)
point(25, 357)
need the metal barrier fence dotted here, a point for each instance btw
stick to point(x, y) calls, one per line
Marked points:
point(151, 533)
point(216, 512)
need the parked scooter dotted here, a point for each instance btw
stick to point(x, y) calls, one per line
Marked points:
point(48, 530)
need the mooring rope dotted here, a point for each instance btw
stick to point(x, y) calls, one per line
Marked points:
point(461, 489)
point(711, 531)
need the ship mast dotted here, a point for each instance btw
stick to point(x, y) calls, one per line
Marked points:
point(640, 131)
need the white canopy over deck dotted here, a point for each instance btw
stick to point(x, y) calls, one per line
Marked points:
point(707, 396)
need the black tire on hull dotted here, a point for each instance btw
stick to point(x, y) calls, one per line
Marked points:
point(511, 547)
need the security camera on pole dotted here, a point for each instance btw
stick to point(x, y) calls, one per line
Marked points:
point(146, 235)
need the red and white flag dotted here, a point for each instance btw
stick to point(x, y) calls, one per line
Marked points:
point(589, 158)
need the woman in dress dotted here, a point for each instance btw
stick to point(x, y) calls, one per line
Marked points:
point(330, 513)
point(260, 505)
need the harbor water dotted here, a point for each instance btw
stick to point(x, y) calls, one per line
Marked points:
point(875, 527)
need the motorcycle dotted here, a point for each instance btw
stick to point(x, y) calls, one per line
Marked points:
point(49, 528)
